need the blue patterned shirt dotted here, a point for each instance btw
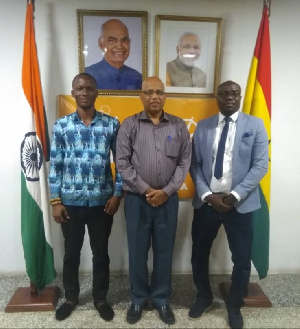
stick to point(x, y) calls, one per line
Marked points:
point(80, 171)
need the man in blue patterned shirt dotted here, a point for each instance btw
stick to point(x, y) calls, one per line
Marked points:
point(83, 193)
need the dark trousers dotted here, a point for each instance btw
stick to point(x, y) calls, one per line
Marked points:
point(239, 233)
point(99, 227)
point(148, 225)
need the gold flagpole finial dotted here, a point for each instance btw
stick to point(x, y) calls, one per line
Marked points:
point(268, 4)
point(31, 1)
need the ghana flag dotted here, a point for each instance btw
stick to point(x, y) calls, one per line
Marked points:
point(257, 102)
point(35, 214)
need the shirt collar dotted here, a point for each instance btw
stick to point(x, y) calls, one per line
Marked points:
point(98, 116)
point(111, 68)
point(165, 116)
point(233, 117)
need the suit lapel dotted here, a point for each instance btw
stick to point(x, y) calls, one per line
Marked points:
point(211, 131)
point(240, 128)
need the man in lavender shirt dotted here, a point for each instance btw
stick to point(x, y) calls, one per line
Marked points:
point(153, 158)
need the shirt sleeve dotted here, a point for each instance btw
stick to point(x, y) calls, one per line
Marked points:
point(236, 195)
point(203, 196)
point(57, 151)
point(183, 164)
point(123, 158)
point(118, 181)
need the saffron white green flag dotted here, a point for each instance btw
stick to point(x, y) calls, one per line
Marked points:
point(35, 214)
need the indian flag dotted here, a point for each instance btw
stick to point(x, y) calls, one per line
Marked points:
point(257, 102)
point(35, 214)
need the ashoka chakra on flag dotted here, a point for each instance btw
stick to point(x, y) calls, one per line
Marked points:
point(31, 156)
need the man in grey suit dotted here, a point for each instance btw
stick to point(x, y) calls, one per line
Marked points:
point(229, 158)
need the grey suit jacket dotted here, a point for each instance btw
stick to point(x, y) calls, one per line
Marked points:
point(249, 163)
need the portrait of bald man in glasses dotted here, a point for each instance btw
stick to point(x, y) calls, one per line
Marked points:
point(111, 72)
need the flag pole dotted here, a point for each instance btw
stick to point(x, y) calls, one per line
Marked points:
point(33, 288)
point(257, 102)
point(267, 3)
point(38, 296)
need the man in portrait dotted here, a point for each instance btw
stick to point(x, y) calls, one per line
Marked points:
point(111, 72)
point(182, 71)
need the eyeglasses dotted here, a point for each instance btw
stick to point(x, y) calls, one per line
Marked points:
point(151, 92)
point(234, 93)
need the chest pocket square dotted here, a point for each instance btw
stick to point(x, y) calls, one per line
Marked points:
point(247, 134)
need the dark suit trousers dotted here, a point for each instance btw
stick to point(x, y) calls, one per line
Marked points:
point(99, 227)
point(239, 233)
point(148, 225)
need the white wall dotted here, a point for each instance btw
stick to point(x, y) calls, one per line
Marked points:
point(56, 37)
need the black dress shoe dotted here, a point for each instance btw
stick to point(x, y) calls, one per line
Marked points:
point(105, 310)
point(199, 308)
point(65, 310)
point(166, 315)
point(134, 313)
point(235, 318)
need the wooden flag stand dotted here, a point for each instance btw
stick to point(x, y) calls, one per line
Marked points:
point(29, 299)
point(255, 298)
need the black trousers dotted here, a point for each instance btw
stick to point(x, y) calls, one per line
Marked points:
point(99, 228)
point(239, 233)
point(146, 226)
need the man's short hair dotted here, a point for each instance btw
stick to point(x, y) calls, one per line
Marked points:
point(228, 82)
point(84, 74)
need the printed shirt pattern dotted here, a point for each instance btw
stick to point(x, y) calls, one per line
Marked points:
point(80, 171)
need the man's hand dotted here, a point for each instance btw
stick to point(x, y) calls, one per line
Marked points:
point(216, 200)
point(150, 189)
point(156, 197)
point(229, 200)
point(59, 213)
point(112, 205)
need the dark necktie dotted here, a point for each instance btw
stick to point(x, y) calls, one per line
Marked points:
point(221, 148)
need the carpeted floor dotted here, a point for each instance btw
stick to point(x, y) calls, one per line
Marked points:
point(282, 290)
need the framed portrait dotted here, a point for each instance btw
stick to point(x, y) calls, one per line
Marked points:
point(188, 54)
point(113, 48)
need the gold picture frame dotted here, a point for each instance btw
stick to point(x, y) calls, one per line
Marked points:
point(199, 75)
point(135, 68)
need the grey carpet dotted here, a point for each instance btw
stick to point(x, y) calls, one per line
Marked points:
point(282, 290)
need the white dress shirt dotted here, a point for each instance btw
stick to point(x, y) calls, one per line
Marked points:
point(223, 185)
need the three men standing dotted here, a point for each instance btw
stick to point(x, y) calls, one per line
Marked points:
point(153, 156)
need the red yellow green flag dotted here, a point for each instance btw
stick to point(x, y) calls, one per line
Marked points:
point(35, 214)
point(257, 102)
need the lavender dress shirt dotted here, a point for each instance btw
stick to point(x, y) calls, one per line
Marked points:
point(156, 156)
